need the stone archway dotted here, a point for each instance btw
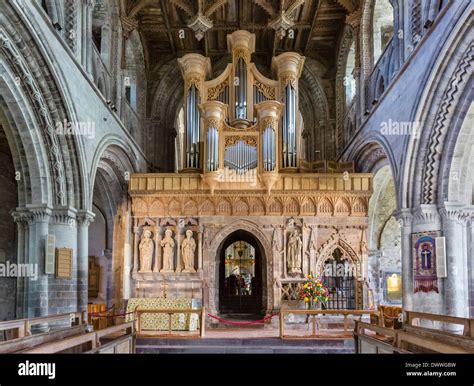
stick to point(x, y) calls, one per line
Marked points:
point(211, 258)
point(326, 250)
point(344, 274)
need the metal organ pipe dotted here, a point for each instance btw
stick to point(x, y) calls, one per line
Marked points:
point(289, 128)
point(192, 128)
point(269, 149)
point(212, 149)
point(241, 90)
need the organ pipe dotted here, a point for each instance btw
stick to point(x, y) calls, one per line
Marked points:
point(192, 128)
point(241, 90)
point(289, 128)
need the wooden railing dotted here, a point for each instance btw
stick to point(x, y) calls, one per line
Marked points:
point(314, 314)
point(170, 312)
point(371, 338)
point(22, 327)
point(468, 324)
point(91, 341)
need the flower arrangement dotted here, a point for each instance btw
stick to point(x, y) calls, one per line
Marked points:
point(313, 291)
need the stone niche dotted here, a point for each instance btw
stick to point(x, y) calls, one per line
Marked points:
point(167, 258)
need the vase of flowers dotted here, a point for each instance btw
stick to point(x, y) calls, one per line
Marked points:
point(314, 293)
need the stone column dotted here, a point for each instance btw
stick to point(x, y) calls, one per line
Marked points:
point(455, 291)
point(304, 252)
point(405, 217)
point(285, 267)
point(87, 9)
point(158, 250)
point(178, 250)
point(353, 20)
point(426, 218)
point(22, 253)
point(37, 297)
point(135, 246)
point(201, 228)
point(122, 231)
point(68, 294)
point(84, 218)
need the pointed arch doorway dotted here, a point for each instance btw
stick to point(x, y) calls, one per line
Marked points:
point(240, 274)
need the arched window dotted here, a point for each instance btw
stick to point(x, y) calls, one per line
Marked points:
point(382, 27)
point(349, 80)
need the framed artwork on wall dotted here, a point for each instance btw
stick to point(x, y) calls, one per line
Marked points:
point(425, 274)
point(392, 287)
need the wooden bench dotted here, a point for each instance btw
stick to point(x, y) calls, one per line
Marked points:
point(89, 342)
point(466, 323)
point(370, 338)
point(20, 328)
point(19, 344)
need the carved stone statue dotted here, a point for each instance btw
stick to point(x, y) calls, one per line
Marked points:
point(188, 247)
point(294, 253)
point(146, 248)
point(168, 251)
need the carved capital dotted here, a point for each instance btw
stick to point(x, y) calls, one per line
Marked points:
point(426, 214)
point(454, 212)
point(404, 216)
point(64, 216)
point(84, 218)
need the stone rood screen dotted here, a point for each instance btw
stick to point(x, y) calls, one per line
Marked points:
point(241, 120)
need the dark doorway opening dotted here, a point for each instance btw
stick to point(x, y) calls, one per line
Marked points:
point(240, 275)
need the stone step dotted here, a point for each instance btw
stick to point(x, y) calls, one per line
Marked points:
point(244, 346)
point(242, 350)
point(244, 342)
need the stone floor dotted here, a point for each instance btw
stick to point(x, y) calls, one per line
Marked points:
point(249, 340)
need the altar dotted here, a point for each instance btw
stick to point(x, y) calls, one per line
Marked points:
point(160, 322)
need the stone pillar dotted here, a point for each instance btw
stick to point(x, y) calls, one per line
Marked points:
point(135, 246)
point(109, 277)
point(405, 217)
point(87, 9)
point(285, 267)
point(353, 20)
point(426, 218)
point(122, 249)
point(178, 250)
point(22, 254)
point(304, 252)
point(201, 228)
point(37, 298)
point(454, 230)
point(373, 258)
point(84, 218)
point(158, 250)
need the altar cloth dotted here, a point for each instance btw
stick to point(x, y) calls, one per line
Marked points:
point(160, 322)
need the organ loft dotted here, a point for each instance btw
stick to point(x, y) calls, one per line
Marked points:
point(245, 217)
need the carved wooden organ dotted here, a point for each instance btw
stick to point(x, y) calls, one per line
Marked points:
point(241, 120)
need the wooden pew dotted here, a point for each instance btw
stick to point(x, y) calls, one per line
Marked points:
point(442, 336)
point(406, 341)
point(20, 328)
point(414, 339)
point(468, 324)
point(19, 344)
point(13, 329)
point(87, 342)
